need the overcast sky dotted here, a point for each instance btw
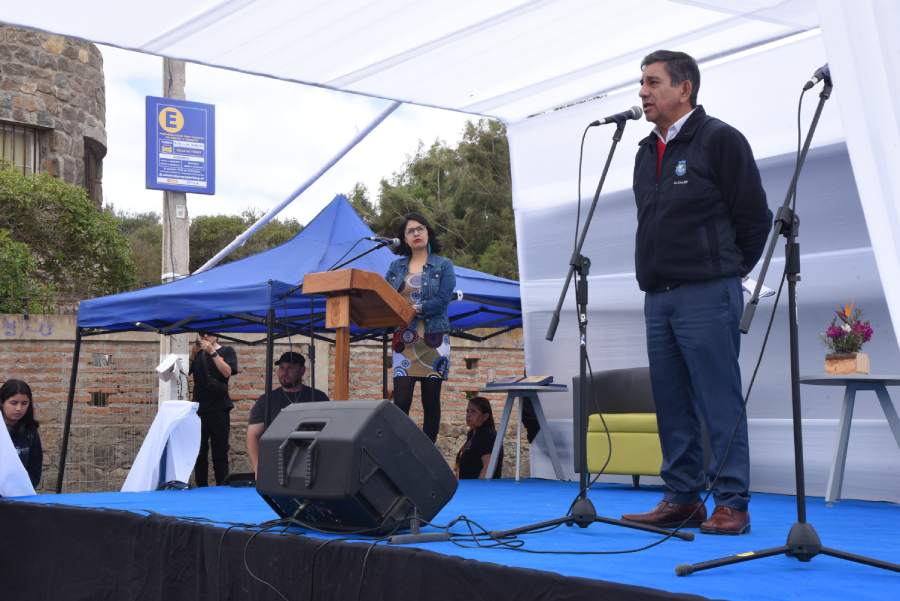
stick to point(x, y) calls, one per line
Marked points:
point(271, 136)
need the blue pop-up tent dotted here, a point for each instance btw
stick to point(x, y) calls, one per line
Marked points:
point(237, 297)
point(262, 294)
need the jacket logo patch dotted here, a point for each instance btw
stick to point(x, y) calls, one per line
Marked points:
point(681, 168)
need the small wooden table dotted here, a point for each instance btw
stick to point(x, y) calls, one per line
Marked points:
point(853, 383)
point(523, 392)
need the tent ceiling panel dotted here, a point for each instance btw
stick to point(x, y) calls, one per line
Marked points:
point(504, 58)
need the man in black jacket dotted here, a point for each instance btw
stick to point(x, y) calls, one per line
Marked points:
point(703, 221)
point(212, 365)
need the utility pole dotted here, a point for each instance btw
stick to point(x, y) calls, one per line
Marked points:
point(175, 246)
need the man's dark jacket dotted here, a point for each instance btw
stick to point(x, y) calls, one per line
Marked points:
point(707, 215)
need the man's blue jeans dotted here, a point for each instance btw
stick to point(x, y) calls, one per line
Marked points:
point(693, 343)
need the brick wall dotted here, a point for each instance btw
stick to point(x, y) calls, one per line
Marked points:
point(117, 371)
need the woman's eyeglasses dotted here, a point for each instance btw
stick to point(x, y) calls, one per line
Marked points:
point(416, 230)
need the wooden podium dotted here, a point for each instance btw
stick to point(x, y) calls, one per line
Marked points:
point(360, 297)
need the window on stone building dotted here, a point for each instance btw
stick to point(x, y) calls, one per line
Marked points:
point(19, 147)
point(93, 166)
point(99, 398)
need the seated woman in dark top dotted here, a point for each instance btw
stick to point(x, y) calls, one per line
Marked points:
point(18, 415)
point(473, 458)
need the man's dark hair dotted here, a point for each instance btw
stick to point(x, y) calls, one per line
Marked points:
point(11, 388)
point(434, 244)
point(679, 66)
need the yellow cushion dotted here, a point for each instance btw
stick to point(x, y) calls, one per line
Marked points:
point(624, 422)
point(635, 444)
point(632, 453)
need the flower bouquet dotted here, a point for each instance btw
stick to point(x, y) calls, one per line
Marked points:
point(844, 339)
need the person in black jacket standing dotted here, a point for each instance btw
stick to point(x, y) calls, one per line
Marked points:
point(17, 407)
point(703, 221)
point(212, 365)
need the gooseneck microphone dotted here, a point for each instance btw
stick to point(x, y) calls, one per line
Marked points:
point(822, 73)
point(634, 112)
point(391, 242)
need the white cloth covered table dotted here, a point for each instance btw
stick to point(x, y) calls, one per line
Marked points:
point(14, 480)
point(177, 424)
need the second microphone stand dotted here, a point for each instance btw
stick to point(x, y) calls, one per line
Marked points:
point(582, 512)
point(803, 542)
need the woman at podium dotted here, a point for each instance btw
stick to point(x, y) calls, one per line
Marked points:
point(421, 350)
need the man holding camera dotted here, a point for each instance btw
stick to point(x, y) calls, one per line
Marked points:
point(211, 366)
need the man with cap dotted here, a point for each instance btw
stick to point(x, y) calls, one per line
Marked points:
point(290, 369)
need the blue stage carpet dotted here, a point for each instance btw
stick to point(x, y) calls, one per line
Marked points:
point(865, 528)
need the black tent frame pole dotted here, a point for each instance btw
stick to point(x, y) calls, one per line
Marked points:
point(803, 542)
point(384, 367)
point(70, 402)
point(311, 350)
point(270, 351)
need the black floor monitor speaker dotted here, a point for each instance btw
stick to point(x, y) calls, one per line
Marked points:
point(351, 466)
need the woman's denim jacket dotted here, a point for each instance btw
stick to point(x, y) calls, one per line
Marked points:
point(438, 284)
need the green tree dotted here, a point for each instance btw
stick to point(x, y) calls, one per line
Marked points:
point(466, 192)
point(20, 290)
point(359, 199)
point(76, 249)
point(210, 234)
point(144, 233)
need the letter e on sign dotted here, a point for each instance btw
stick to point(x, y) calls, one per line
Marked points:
point(171, 119)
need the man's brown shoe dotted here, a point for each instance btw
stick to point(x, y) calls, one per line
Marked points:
point(670, 515)
point(726, 520)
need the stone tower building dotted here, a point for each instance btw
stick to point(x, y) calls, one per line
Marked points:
point(53, 107)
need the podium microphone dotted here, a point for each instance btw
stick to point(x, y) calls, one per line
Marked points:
point(634, 112)
point(389, 242)
point(822, 73)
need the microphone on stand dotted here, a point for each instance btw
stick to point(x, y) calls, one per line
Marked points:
point(634, 112)
point(822, 73)
point(389, 242)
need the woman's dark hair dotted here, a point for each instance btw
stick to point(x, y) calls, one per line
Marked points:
point(433, 242)
point(13, 387)
point(484, 406)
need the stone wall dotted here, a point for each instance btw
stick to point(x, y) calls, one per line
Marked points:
point(120, 369)
point(55, 84)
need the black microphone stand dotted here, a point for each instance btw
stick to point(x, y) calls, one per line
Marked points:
point(379, 244)
point(582, 512)
point(803, 542)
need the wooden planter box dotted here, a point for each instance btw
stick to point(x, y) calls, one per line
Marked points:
point(847, 363)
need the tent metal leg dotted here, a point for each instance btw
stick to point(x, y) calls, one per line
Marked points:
point(64, 445)
point(311, 351)
point(270, 351)
point(384, 367)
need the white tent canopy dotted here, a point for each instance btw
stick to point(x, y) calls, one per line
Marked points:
point(547, 68)
point(504, 58)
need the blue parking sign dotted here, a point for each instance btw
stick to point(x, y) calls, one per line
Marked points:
point(181, 148)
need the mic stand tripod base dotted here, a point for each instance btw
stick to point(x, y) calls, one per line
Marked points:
point(415, 536)
point(583, 515)
point(803, 544)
